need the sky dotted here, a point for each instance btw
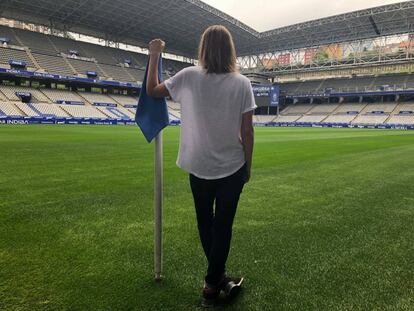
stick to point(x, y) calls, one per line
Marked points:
point(264, 15)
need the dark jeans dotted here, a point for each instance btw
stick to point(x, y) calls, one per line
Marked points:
point(215, 225)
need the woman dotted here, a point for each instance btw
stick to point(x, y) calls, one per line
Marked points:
point(216, 143)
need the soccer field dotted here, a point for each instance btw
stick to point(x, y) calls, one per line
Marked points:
point(326, 223)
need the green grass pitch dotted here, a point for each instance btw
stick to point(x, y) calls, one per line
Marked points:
point(326, 223)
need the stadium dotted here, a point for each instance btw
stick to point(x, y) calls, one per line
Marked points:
point(326, 222)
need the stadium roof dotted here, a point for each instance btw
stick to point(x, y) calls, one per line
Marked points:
point(181, 22)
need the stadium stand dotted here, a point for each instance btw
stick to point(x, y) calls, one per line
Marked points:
point(9, 109)
point(323, 109)
point(79, 111)
point(380, 107)
point(53, 64)
point(313, 118)
point(173, 105)
point(392, 80)
point(64, 45)
point(298, 109)
point(370, 119)
point(405, 107)
point(174, 110)
point(97, 98)
point(51, 109)
point(35, 41)
point(117, 113)
point(402, 114)
point(7, 32)
point(117, 73)
point(46, 103)
point(82, 67)
point(290, 88)
point(42, 110)
point(349, 84)
point(56, 95)
point(136, 74)
point(136, 60)
point(309, 87)
point(372, 83)
point(340, 118)
point(132, 111)
point(2, 97)
point(7, 54)
point(102, 54)
point(124, 100)
point(347, 113)
point(10, 93)
point(401, 119)
point(410, 80)
point(351, 108)
point(287, 118)
point(173, 117)
point(51, 54)
point(263, 119)
point(130, 114)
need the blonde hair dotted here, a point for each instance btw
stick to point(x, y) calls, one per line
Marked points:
point(216, 52)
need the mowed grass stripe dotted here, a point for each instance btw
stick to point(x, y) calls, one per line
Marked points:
point(325, 224)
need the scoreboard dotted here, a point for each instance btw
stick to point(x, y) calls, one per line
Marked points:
point(266, 95)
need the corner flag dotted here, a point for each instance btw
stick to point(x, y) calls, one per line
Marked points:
point(152, 113)
point(152, 117)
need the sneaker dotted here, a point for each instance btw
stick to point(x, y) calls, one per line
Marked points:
point(209, 296)
point(231, 286)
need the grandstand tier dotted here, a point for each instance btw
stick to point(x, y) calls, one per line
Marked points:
point(47, 102)
point(80, 111)
point(117, 113)
point(52, 54)
point(370, 119)
point(401, 119)
point(340, 118)
point(10, 93)
point(380, 107)
point(354, 84)
point(42, 110)
point(124, 100)
point(287, 118)
point(53, 64)
point(312, 118)
point(7, 54)
point(351, 107)
point(298, 109)
point(82, 67)
point(323, 109)
point(9, 110)
point(56, 95)
point(97, 98)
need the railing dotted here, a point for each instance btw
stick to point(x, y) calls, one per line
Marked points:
point(378, 88)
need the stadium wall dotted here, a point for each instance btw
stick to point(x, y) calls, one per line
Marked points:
point(90, 121)
point(77, 121)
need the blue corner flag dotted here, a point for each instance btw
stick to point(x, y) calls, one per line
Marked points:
point(152, 113)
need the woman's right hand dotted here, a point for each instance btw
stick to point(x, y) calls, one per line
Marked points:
point(156, 46)
point(247, 173)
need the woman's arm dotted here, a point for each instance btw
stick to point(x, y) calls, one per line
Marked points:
point(247, 136)
point(154, 87)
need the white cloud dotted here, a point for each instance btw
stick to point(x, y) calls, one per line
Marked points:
point(264, 15)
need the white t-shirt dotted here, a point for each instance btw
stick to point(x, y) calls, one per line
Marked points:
point(211, 114)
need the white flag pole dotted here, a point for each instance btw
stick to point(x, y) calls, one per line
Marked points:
point(158, 202)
